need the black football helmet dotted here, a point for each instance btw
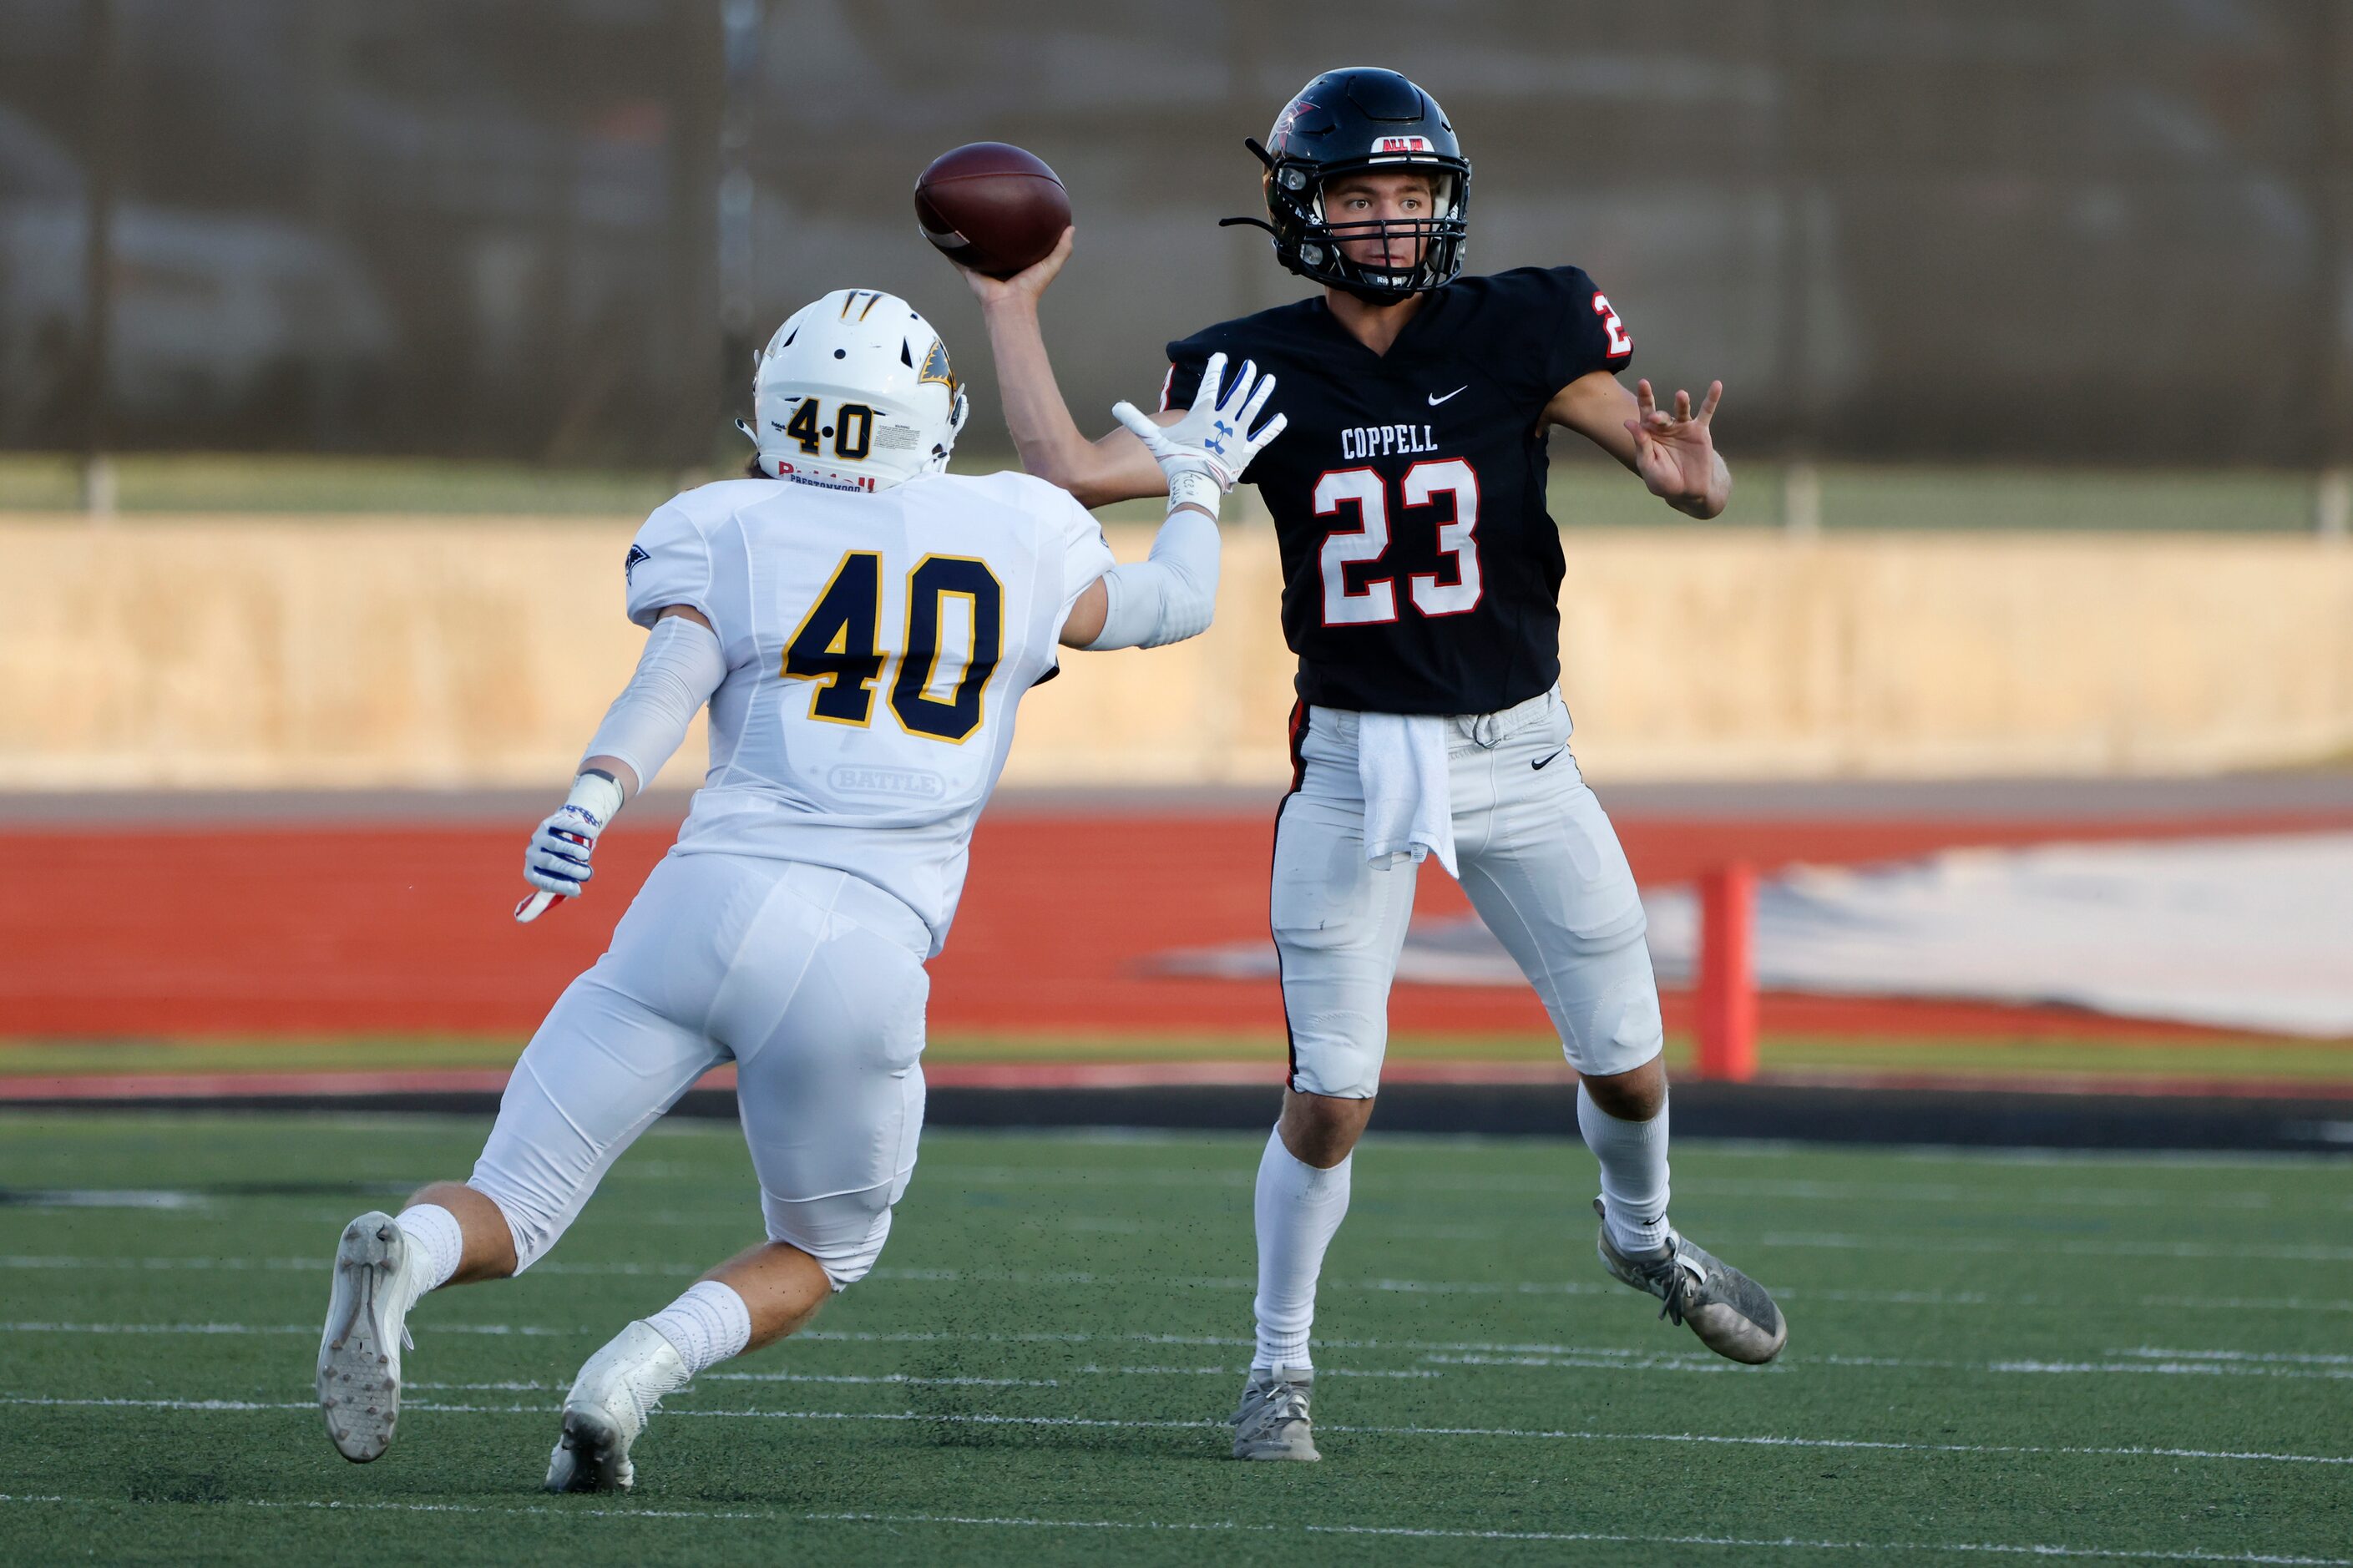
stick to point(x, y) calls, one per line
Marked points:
point(1343, 122)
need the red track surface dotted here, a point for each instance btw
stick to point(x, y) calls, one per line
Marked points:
point(331, 930)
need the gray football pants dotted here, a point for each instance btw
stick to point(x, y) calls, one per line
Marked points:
point(1539, 861)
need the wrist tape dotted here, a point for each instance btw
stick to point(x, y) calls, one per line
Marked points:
point(597, 795)
point(1190, 487)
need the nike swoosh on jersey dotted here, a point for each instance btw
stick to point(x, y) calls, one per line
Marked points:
point(1540, 767)
point(1435, 400)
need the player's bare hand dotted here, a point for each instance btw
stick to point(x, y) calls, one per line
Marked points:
point(1025, 286)
point(1675, 453)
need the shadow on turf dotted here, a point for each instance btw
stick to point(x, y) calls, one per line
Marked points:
point(200, 1487)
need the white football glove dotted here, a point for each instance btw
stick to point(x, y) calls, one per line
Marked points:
point(1215, 439)
point(556, 862)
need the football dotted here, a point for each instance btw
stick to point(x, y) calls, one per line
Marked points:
point(992, 207)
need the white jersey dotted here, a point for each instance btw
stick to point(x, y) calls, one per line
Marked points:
point(876, 646)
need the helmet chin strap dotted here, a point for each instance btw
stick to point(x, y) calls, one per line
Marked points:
point(1371, 293)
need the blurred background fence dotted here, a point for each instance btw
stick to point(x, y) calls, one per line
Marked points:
point(2046, 232)
point(2014, 264)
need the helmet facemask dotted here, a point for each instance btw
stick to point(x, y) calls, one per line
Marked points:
point(1435, 241)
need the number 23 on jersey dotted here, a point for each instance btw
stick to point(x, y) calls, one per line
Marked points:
point(837, 648)
point(1373, 601)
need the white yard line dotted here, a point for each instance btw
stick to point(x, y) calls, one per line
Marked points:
point(2072, 1303)
point(909, 1379)
point(913, 1380)
point(1604, 1360)
point(969, 1419)
point(2055, 1247)
point(2148, 1359)
point(2189, 1365)
point(522, 1330)
point(984, 1521)
point(105, 1198)
point(2138, 1360)
point(2301, 1358)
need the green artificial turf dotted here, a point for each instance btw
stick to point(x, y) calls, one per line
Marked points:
point(2123, 1358)
point(1999, 1060)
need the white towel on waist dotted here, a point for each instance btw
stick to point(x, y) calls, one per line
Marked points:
point(1408, 803)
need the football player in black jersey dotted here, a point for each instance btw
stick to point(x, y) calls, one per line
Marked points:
point(1421, 577)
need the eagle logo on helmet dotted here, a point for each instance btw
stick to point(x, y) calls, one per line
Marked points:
point(935, 368)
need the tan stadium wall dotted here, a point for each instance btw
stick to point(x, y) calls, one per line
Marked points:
point(269, 653)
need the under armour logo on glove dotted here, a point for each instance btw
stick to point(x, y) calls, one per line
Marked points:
point(1200, 442)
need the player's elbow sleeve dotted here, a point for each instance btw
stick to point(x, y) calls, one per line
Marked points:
point(682, 665)
point(1170, 597)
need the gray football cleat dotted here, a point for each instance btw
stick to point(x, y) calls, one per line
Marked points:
point(359, 1352)
point(607, 1407)
point(1732, 1314)
point(1273, 1422)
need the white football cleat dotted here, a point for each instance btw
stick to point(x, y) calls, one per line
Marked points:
point(1273, 1421)
point(607, 1407)
point(359, 1352)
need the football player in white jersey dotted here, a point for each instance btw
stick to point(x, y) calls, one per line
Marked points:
point(862, 627)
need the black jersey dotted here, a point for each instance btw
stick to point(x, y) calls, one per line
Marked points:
point(1420, 571)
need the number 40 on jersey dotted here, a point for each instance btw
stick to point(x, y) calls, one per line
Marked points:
point(837, 648)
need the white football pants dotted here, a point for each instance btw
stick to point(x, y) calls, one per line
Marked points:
point(1539, 861)
point(811, 980)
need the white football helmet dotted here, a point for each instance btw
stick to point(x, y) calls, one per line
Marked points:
point(854, 393)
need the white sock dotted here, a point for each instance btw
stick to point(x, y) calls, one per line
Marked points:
point(436, 1243)
point(1298, 1210)
point(707, 1325)
point(1633, 1156)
